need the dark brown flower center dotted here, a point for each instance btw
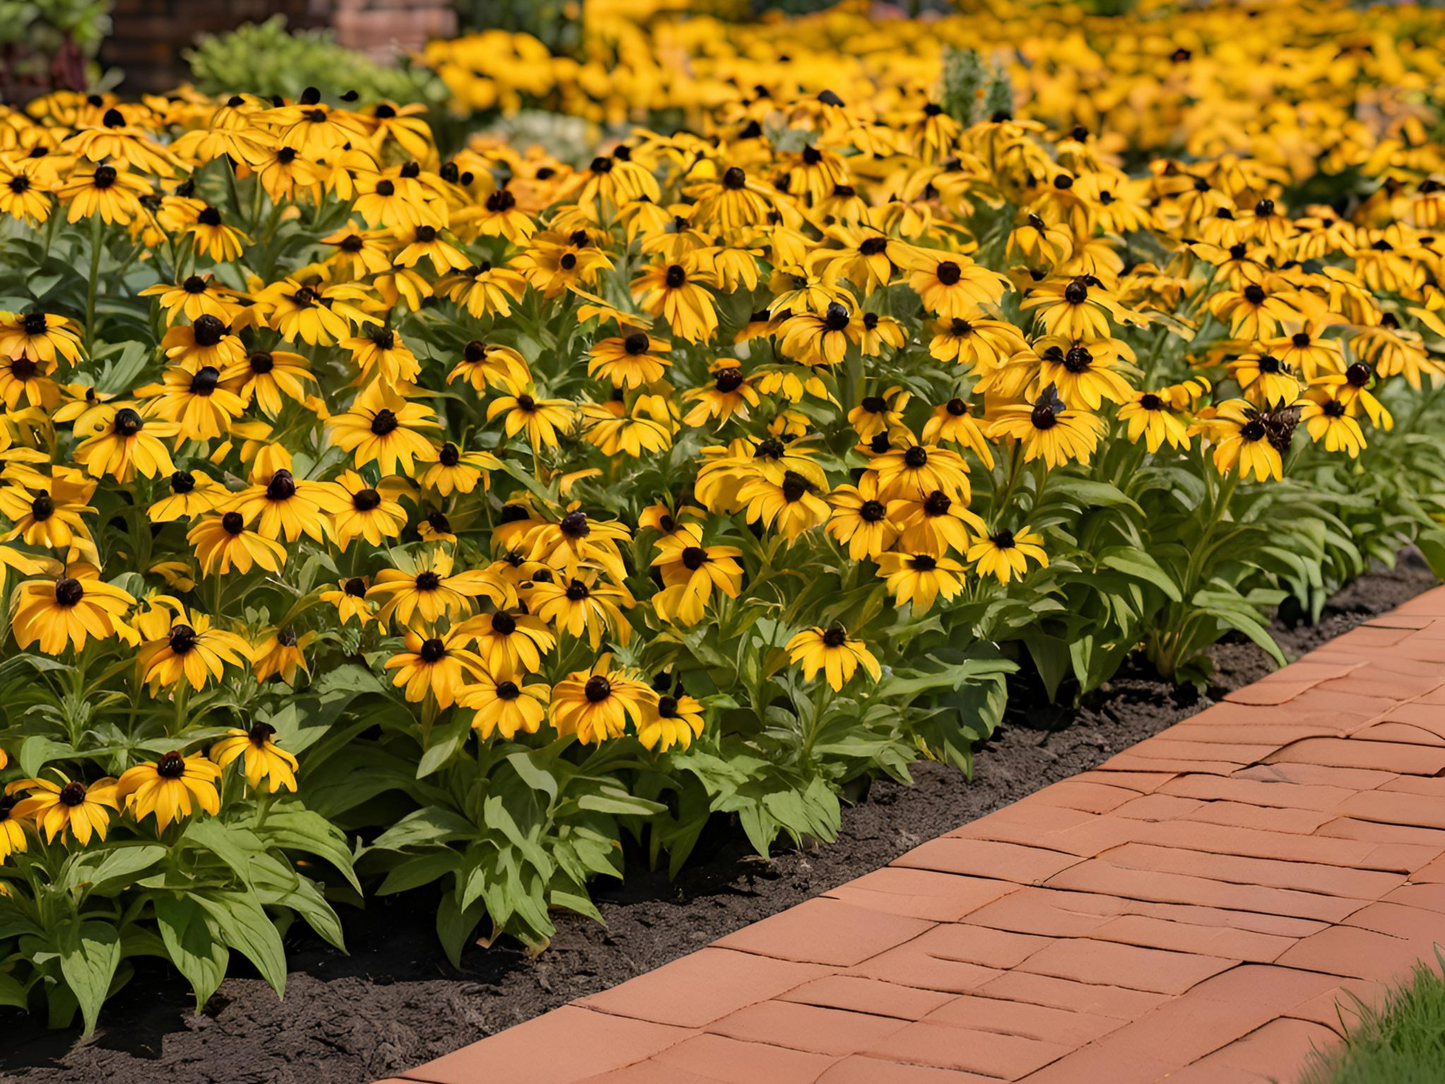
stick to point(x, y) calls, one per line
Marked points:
point(68, 591)
point(597, 689)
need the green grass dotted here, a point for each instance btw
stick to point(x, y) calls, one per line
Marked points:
point(1403, 1043)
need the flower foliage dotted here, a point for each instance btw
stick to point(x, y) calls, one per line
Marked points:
point(516, 515)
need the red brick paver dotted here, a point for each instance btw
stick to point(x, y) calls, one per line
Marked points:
point(1201, 909)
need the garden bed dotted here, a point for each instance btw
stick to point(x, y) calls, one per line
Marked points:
point(395, 1001)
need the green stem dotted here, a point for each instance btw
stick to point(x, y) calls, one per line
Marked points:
point(97, 235)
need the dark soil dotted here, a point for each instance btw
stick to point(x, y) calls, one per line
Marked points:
point(396, 1002)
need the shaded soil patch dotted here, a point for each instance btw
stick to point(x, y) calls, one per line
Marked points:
point(395, 1001)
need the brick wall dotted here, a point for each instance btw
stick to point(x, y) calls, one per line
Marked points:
point(149, 35)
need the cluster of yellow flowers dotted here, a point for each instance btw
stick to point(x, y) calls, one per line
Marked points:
point(502, 399)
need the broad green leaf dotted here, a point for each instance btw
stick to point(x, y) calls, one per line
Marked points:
point(245, 927)
point(198, 956)
point(89, 954)
point(430, 825)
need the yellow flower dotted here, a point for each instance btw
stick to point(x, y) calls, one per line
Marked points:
point(167, 788)
point(261, 758)
point(435, 666)
point(504, 707)
point(674, 720)
point(70, 609)
point(833, 651)
point(1005, 554)
point(596, 704)
point(71, 806)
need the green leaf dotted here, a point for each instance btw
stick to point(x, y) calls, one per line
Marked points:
point(443, 743)
point(456, 926)
point(534, 774)
point(233, 845)
point(89, 954)
point(420, 870)
point(113, 866)
point(620, 803)
point(294, 828)
point(37, 751)
point(430, 825)
point(186, 932)
point(245, 927)
point(12, 993)
point(1140, 566)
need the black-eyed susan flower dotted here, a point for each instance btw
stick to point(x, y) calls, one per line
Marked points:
point(595, 705)
point(673, 721)
point(428, 590)
point(50, 512)
point(1242, 439)
point(43, 336)
point(507, 707)
point(676, 292)
point(933, 523)
point(189, 493)
point(262, 760)
point(834, 652)
point(435, 666)
point(916, 470)
point(349, 598)
point(69, 806)
point(953, 286)
point(1330, 421)
point(690, 571)
point(105, 190)
point(386, 429)
point(509, 644)
point(629, 361)
point(790, 504)
point(580, 606)
point(317, 314)
point(541, 419)
point(953, 422)
point(281, 652)
point(730, 394)
point(68, 610)
point(1005, 554)
point(920, 578)
point(122, 444)
point(1048, 430)
point(170, 788)
point(222, 541)
point(13, 839)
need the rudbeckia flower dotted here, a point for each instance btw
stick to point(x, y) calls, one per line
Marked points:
point(190, 650)
point(383, 428)
point(1005, 555)
point(262, 760)
point(506, 707)
point(675, 291)
point(674, 721)
point(68, 610)
point(122, 444)
point(436, 667)
point(509, 644)
point(580, 605)
point(170, 788)
point(429, 591)
point(833, 651)
point(1048, 430)
point(920, 578)
point(596, 704)
point(281, 652)
point(69, 806)
point(223, 542)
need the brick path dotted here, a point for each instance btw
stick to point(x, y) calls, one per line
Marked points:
point(1191, 910)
